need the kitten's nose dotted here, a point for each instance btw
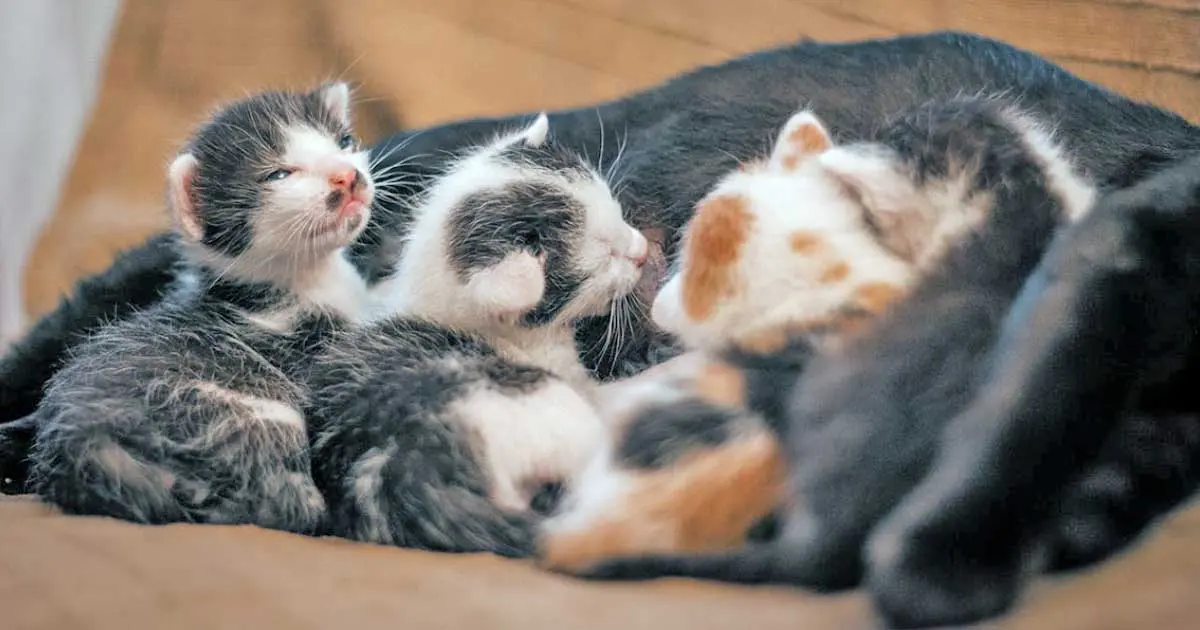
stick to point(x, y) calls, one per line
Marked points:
point(347, 179)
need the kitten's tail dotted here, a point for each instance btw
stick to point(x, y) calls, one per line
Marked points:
point(391, 498)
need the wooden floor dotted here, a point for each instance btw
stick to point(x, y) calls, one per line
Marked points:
point(424, 61)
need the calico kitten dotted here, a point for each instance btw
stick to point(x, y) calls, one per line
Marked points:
point(441, 427)
point(191, 410)
point(969, 193)
point(778, 247)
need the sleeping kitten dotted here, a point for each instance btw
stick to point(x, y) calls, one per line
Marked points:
point(190, 410)
point(777, 247)
point(441, 427)
point(969, 194)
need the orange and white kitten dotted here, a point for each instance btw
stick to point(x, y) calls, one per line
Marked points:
point(779, 247)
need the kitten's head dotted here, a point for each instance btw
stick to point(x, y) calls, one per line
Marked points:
point(519, 231)
point(272, 183)
point(805, 240)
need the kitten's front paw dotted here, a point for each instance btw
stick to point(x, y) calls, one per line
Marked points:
point(16, 439)
point(924, 579)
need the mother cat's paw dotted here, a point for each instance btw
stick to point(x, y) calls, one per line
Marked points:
point(923, 579)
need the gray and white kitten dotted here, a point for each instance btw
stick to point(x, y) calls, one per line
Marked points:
point(192, 410)
point(441, 427)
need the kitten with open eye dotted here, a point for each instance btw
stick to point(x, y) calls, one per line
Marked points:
point(925, 235)
point(443, 426)
point(192, 410)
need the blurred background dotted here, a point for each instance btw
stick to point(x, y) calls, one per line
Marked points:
point(158, 66)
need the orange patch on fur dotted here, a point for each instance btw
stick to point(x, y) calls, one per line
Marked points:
point(721, 384)
point(835, 272)
point(805, 242)
point(764, 342)
point(877, 296)
point(714, 241)
point(809, 138)
point(706, 502)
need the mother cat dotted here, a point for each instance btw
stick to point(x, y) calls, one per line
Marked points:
point(676, 140)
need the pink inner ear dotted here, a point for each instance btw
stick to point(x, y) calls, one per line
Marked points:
point(180, 178)
point(514, 286)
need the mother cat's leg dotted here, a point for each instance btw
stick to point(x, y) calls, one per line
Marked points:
point(1110, 313)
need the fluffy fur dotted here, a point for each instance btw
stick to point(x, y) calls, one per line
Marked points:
point(450, 426)
point(667, 146)
point(1086, 430)
point(192, 409)
point(970, 193)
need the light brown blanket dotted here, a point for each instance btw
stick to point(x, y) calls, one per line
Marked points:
point(60, 572)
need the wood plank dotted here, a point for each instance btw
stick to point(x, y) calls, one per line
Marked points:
point(1178, 93)
point(1147, 35)
point(738, 27)
point(619, 48)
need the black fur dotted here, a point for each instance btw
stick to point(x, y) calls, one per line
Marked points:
point(540, 219)
point(682, 135)
point(660, 434)
point(1093, 378)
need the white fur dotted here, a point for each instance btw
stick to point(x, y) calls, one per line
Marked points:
point(337, 98)
point(779, 285)
point(1074, 191)
point(548, 434)
point(513, 287)
point(262, 410)
point(367, 474)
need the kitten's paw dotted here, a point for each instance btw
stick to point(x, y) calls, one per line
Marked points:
point(923, 581)
point(16, 438)
point(296, 506)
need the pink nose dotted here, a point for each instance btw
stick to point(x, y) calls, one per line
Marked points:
point(347, 179)
point(639, 258)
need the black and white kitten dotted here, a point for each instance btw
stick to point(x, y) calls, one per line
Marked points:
point(192, 410)
point(441, 427)
point(972, 191)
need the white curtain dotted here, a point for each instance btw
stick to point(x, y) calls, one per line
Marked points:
point(52, 55)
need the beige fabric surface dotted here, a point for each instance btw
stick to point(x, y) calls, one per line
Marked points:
point(59, 572)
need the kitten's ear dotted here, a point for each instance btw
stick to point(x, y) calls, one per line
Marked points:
point(180, 178)
point(535, 134)
point(336, 97)
point(511, 287)
point(802, 136)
